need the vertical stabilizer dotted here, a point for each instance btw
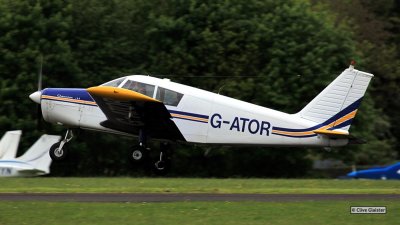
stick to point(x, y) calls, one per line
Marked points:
point(337, 104)
point(394, 170)
point(9, 144)
point(38, 154)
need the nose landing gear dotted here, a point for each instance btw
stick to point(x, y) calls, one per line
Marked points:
point(58, 151)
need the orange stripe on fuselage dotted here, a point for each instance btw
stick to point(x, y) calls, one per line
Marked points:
point(68, 100)
point(189, 117)
point(343, 119)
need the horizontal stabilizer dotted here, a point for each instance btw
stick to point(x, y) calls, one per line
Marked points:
point(17, 164)
point(333, 133)
point(341, 134)
point(356, 141)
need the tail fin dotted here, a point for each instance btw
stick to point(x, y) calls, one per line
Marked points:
point(9, 144)
point(37, 155)
point(395, 168)
point(337, 104)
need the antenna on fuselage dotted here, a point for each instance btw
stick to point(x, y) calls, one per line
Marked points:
point(220, 89)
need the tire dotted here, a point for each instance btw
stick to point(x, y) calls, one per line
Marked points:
point(56, 154)
point(139, 154)
point(161, 168)
point(160, 165)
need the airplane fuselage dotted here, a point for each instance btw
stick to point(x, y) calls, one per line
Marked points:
point(383, 173)
point(201, 117)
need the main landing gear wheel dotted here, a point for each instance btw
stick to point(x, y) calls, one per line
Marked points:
point(58, 151)
point(139, 154)
point(163, 165)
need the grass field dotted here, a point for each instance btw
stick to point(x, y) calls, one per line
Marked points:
point(232, 213)
point(295, 212)
point(186, 185)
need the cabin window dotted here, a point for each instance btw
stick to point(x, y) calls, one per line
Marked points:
point(114, 83)
point(168, 97)
point(142, 88)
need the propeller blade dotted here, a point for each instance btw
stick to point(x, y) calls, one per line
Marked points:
point(39, 116)
point(40, 73)
point(37, 95)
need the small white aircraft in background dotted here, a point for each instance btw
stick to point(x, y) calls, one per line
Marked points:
point(9, 144)
point(163, 110)
point(36, 161)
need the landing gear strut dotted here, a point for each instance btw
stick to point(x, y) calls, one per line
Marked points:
point(58, 151)
point(140, 152)
point(164, 163)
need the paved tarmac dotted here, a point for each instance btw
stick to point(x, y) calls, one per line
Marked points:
point(168, 197)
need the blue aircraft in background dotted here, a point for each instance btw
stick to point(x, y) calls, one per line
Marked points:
point(383, 173)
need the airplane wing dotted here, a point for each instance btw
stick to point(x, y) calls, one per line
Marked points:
point(129, 111)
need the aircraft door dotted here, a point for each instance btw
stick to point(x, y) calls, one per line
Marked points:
point(191, 116)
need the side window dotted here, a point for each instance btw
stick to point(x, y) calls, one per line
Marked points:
point(168, 97)
point(145, 89)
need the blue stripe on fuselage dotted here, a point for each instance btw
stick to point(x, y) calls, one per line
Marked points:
point(72, 93)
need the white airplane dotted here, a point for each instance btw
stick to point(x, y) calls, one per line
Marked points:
point(9, 144)
point(163, 110)
point(36, 161)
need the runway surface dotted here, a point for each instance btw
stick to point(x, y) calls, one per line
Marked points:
point(160, 197)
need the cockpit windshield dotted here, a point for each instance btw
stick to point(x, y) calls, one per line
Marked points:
point(168, 97)
point(114, 83)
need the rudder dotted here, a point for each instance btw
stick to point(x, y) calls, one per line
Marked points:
point(339, 101)
point(9, 144)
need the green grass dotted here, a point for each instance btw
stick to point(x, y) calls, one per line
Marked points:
point(232, 213)
point(188, 185)
point(188, 213)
